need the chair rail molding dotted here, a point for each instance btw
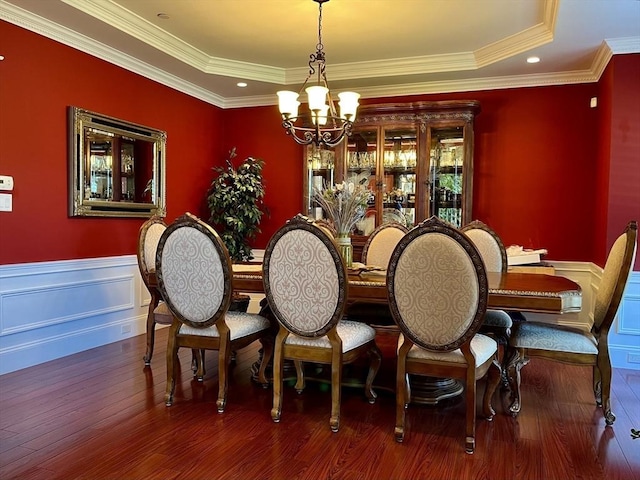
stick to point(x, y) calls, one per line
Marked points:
point(53, 309)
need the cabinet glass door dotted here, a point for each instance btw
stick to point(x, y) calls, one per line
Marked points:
point(446, 179)
point(361, 168)
point(320, 172)
point(399, 176)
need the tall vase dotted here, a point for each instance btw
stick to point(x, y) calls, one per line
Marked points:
point(346, 249)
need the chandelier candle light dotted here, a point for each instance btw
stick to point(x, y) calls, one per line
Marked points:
point(345, 205)
point(322, 125)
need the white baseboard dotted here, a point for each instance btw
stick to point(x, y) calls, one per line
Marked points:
point(50, 310)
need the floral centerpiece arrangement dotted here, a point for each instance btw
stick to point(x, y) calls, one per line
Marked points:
point(344, 205)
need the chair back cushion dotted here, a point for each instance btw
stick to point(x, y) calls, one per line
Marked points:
point(489, 245)
point(194, 272)
point(380, 244)
point(305, 279)
point(437, 286)
point(148, 239)
point(615, 277)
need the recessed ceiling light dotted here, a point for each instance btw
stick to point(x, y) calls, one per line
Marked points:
point(163, 16)
point(241, 84)
point(1, 57)
point(533, 59)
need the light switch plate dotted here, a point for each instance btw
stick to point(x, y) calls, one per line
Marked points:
point(6, 202)
point(6, 182)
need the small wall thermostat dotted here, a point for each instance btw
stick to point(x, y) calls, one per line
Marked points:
point(6, 182)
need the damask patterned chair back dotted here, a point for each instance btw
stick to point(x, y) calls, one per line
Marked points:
point(305, 279)
point(437, 286)
point(438, 290)
point(194, 272)
point(497, 323)
point(195, 278)
point(380, 244)
point(488, 244)
point(148, 239)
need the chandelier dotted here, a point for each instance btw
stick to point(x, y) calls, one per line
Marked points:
point(321, 125)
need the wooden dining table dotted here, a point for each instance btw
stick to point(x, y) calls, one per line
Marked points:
point(515, 291)
point(524, 292)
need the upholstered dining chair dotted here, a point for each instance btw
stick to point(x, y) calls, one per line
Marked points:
point(496, 323)
point(305, 282)
point(438, 291)
point(377, 251)
point(379, 246)
point(195, 279)
point(574, 346)
point(148, 238)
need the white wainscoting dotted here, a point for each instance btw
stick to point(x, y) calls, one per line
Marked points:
point(52, 309)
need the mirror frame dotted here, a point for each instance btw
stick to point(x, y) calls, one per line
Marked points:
point(79, 121)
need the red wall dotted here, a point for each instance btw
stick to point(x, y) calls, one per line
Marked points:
point(39, 78)
point(624, 148)
point(537, 163)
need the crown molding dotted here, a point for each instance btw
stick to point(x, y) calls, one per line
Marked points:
point(522, 41)
point(145, 31)
point(37, 24)
point(623, 45)
point(454, 86)
point(128, 22)
point(66, 36)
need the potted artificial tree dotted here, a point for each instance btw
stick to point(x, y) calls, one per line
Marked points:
point(235, 202)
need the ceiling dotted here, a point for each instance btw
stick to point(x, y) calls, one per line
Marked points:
point(375, 47)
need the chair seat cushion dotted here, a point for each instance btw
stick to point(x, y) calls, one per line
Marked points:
point(542, 336)
point(162, 315)
point(497, 318)
point(353, 334)
point(240, 325)
point(482, 346)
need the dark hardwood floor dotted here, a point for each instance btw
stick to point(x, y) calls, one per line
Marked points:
point(100, 414)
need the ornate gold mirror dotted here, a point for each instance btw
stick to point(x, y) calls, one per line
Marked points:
point(116, 168)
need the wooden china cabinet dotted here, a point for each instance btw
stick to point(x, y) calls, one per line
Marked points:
point(417, 159)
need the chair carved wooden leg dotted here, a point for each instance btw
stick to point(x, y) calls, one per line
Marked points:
point(172, 363)
point(197, 364)
point(375, 356)
point(151, 327)
point(336, 389)
point(223, 359)
point(517, 361)
point(597, 385)
point(402, 398)
point(470, 398)
point(276, 410)
point(604, 365)
point(267, 355)
point(494, 376)
point(300, 381)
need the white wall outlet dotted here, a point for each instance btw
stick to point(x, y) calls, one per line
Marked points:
point(6, 182)
point(593, 102)
point(6, 202)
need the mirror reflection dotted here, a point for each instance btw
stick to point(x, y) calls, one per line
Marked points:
point(116, 167)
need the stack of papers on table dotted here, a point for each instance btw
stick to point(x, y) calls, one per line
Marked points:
point(516, 255)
